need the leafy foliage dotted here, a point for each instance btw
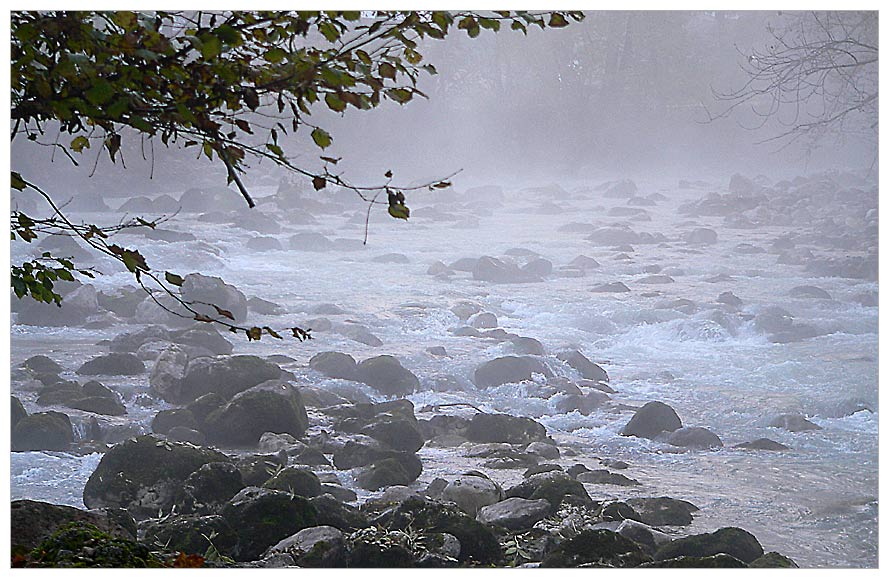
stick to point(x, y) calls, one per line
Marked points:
point(230, 83)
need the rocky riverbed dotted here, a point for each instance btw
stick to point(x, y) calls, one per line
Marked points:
point(617, 373)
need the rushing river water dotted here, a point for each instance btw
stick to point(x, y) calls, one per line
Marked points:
point(816, 503)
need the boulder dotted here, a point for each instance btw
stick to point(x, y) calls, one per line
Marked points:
point(701, 236)
point(211, 486)
point(382, 474)
point(613, 287)
point(77, 306)
point(505, 428)
point(144, 475)
point(598, 547)
point(729, 540)
point(168, 370)
point(694, 437)
point(204, 337)
point(106, 405)
point(605, 477)
point(539, 267)
point(310, 241)
point(809, 291)
point(192, 534)
point(391, 423)
point(662, 511)
point(212, 290)
point(515, 513)
point(793, 423)
point(321, 546)
point(762, 444)
point(296, 480)
point(554, 486)
point(471, 492)
point(586, 404)
point(773, 560)
point(41, 364)
point(483, 320)
point(113, 364)
point(164, 420)
point(34, 521)
point(17, 412)
point(358, 333)
point(272, 406)
point(527, 346)
point(262, 517)
point(386, 375)
point(224, 376)
point(651, 420)
point(42, 431)
point(335, 365)
point(493, 270)
point(508, 369)
point(587, 369)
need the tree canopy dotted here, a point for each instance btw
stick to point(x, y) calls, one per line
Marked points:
point(230, 83)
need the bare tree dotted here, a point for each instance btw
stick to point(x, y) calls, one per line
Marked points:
point(817, 77)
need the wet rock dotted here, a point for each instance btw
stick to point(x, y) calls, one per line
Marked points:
point(144, 475)
point(584, 263)
point(106, 405)
point(540, 469)
point(729, 540)
point(471, 493)
point(258, 468)
point(515, 513)
point(34, 521)
point(587, 369)
point(386, 375)
point(730, 299)
point(225, 376)
point(539, 267)
point(263, 517)
point(263, 243)
point(809, 291)
point(296, 480)
point(273, 406)
point(651, 420)
point(42, 431)
point(185, 434)
point(773, 560)
point(203, 338)
point(77, 306)
point(17, 413)
point(321, 546)
point(553, 486)
point(622, 188)
point(493, 270)
point(718, 561)
point(604, 477)
point(392, 423)
point(662, 511)
point(483, 320)
point(596, 546)
point(643, 534)
point(164, 420)
point(505, 428)
point(508, 369)
point(586, 404)
point(701, 236)
point(335, 365)
point(762, 444)
point(437, 350)
point(213, 290)
point(613, 287)
point(357, 333)
point(544, 450)
point(191, 534)
point(527, 346)
point(694, 437)
point(382, 474)
point(114, 364)
point(793, 423)
point(41, 364)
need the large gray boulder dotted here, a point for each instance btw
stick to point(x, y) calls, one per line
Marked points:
point(651, 420)
point(273, 406)
point(225, 376)
point(694, 437)
point(42, 431)
point(335, 365)
point(114, 364)
point(586, 368)
point(471, 492)
point(485, 427)
point(515, 513)
point(386, 375)
point(508, 369)
point(212, 290)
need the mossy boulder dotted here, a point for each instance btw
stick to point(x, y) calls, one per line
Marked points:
point(718, 561)
point(386, 375)
point(190, 534)
point(114, 364)
point(272, 406)
point(144, 475)
point(80, 544)
point(478, 544)
point(729, 540)
point(226, 376)
point(34, 521)
point(555, 486)
point(209, 487)
point(375, 548)
point(773, 560)
point(43, 431)
point(262, 517)
point(505, 428)
point(295, 480)
point(657, 511)
point(598, 547)
point(335, 513)
point(258, 468)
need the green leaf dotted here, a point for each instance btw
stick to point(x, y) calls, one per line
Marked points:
point(400, 95)
point(399, 211)
point(276, 149)
point(321, 138)
point(386, 70)
point(100, 92)
point(275, 55)
point(211, 47)
point(557, 21)
point(17, 182)
point(334, 102)
point(173, 279)
point(329, 31)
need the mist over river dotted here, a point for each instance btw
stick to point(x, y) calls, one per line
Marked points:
point(726, 362)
